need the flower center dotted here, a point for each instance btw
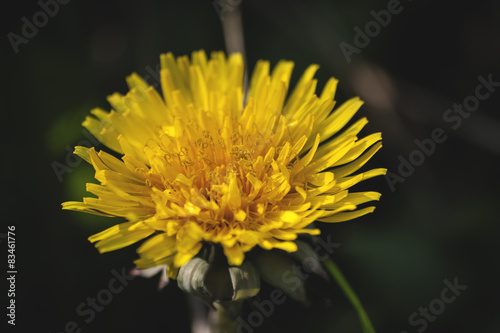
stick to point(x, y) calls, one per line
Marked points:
point(219, 177)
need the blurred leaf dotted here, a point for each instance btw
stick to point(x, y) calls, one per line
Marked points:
point(66, 130)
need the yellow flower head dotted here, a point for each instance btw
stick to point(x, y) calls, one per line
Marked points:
point(212, 163)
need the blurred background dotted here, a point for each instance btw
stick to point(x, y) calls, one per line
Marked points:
point(440, 223)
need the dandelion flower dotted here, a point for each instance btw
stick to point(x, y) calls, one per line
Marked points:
point(210, 163)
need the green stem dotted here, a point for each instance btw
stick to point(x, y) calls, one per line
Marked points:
point(224, 316)
point(351, 295)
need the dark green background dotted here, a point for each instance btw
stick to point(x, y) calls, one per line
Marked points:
point(441, 223)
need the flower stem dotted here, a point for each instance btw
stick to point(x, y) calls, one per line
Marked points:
point(232, 26)
point(223, 318)
point(350, 294)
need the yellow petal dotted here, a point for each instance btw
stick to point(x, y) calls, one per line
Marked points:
point(341, 217)
point(235, 255)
